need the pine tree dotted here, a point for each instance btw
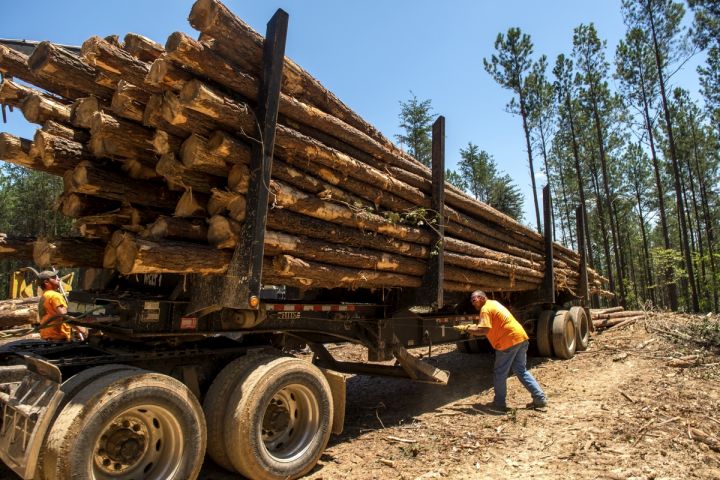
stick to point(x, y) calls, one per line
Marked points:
point(509, 67)
point(416, 120)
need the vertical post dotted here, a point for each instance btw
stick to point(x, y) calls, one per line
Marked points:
point(582, 249)
point(243, 279)
point(549, 279)
point(431, 290)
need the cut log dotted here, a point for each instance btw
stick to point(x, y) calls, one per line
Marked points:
point(116, 138)
point(113, 61)
point(67, 69)
point(129, 101)
point(225, 111)
point(285, 221)
point(193, 230)
point(219, 201)
point(15, 64)
point(191, 204)
point(17, 151)
point(68, 253)
point(63, 130)
point(196, 155)
point(175, 172)
point(16, 248)
point(88, 179)
point(83, 110)
point(13, 94)
point(142, 48)
point(239, 43)
point(75, 205)
point(164, 142)
point(58, 152)
point(163, 73)
point(18, 312)
point(39, 108)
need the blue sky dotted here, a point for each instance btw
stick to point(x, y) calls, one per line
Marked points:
point(370, 53)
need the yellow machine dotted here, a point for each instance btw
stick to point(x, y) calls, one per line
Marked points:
point(21, 287)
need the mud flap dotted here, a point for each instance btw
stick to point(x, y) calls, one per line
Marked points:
point(337, 387)
point(27, 411)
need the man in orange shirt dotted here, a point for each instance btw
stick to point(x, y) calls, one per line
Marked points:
point(52, 304)
point(510, 342)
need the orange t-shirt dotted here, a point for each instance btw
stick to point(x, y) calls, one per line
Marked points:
point(505, 331)
point(48, 308)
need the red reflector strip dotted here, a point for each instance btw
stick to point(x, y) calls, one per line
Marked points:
point(296, 307)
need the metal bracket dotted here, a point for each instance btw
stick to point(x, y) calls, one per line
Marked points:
point(240, 287)
point(431, 291)
point(583, 292)
point(548, 285)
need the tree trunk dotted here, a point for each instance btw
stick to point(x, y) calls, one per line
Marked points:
point(68, 253)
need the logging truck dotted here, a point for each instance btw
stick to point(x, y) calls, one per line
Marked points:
point(191, 350)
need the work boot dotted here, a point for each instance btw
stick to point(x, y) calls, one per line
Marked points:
point(537, 403)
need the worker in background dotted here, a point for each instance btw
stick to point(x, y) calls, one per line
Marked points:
point(510, 342)
point(53, 303)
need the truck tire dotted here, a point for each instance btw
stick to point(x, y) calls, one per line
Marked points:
point(47, 461)
point(582, 328)
point(216, 401)
point(129, 424)
point(279, 420)
point(543, 336)
point(563, 335)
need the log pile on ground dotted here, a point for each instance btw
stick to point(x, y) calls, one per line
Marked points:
point(18, 312)
point(153, 145)
point(615, 317)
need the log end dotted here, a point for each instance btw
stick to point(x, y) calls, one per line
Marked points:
point(39, 59)
point(90, 49)
point(203, 14)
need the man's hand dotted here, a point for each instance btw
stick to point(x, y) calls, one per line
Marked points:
point(471, 329)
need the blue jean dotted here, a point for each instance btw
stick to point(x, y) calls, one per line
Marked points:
point(514, 357)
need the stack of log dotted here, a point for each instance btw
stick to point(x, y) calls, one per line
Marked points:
point(21, 311)
point(153, 145)
point(614, 317)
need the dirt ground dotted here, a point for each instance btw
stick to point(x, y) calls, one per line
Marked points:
point(634, 406)
point(642, 403)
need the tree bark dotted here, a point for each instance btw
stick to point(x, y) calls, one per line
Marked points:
point(67, 69)
point(68, 253)
point(142, 48)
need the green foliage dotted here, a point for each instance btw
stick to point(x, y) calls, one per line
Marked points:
point(706, 332)
point(455, 179)
point(482, 181)
point(509, 65)
point(416, 120)
point(26, 203)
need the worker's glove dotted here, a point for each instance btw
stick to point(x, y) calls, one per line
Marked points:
point(464, 328)
point(469, 329)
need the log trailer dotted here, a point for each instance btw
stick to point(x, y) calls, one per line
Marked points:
point(183, 365)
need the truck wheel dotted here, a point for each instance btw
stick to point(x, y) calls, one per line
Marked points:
point(279, 420)
point(216, 401)
point(563, 335)
point(543, 336)
point(129, 424)
point(582, 328)
point(47, 461)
